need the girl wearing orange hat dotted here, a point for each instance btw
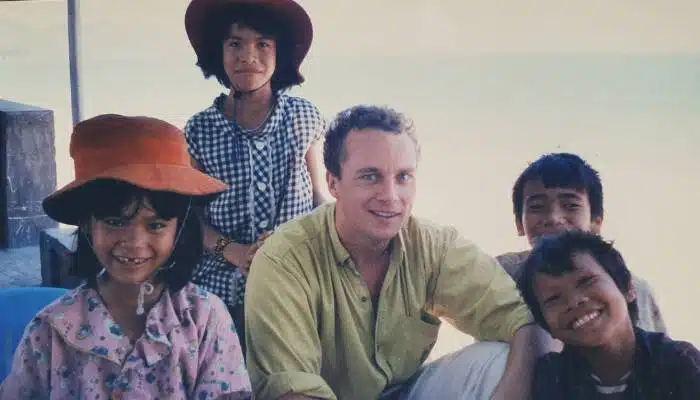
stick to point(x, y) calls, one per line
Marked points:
point(264, 143)
point(137, 328)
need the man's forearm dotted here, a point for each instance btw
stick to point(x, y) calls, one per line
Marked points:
point(528, 343)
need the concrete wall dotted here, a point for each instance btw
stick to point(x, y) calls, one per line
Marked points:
point(28, 169)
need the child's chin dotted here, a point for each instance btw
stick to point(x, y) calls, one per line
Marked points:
point(589, 339)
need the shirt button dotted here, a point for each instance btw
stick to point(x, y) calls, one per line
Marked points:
point(263, 224)
point(262, 186)
point(364, 299)
point(259, 145)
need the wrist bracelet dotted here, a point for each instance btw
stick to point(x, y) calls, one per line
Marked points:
point(221, 243)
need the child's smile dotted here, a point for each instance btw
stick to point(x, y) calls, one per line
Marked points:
point(133, 246)
point(583, 307)
point(586, 320)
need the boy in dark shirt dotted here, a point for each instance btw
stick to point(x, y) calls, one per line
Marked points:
point(579, 289)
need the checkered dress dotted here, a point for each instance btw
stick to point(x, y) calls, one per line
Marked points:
point(269, 182)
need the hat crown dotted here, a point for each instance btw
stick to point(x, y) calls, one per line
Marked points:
point(109, 141)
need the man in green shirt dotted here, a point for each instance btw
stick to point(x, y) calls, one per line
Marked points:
point(345, 302)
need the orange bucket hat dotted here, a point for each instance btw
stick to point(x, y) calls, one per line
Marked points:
point(146, 152)
point(287, 11)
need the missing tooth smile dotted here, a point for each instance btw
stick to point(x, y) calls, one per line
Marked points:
point(130, 260)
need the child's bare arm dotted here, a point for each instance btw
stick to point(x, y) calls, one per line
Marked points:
point(314, 162)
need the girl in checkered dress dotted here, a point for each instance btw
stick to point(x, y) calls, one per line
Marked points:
point(265, 144)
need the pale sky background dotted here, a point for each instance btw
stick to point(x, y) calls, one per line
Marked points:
point(491, 85)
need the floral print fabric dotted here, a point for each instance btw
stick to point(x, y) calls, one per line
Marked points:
point(74, 349)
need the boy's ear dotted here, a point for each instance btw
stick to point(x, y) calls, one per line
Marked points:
point(519, 226)
point(597, 225)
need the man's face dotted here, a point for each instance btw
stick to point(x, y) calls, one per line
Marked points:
point(376, 187)
point(548, 211)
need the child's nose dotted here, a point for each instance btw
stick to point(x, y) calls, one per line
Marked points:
point(556, 216)
point(246, 54)
point(575, 299)
point(135, 236)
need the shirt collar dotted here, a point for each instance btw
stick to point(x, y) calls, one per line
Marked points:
point(224, 125)
point(83, 321)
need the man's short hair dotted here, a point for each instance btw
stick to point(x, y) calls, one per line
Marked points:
point(362, 117)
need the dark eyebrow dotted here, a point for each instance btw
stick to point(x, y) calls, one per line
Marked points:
point(585, 277)
point(570, 196)
point(535, 197)
point(367, 170)
point(259, 37)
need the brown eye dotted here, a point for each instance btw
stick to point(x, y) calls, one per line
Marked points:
point(115, 222)
point(535, 207)
point(585, 281)
point(551, 300)
point(154, 226)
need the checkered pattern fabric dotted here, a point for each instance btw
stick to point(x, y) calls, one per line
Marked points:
point(268, 180)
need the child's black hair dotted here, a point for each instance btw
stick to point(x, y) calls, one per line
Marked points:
point(553, 256)
point(109, 198)
point(561, 170)
point(260, 20)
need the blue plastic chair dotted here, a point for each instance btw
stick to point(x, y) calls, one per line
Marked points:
point(17, 308)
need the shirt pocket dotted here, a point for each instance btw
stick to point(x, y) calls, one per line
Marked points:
point(410, 344)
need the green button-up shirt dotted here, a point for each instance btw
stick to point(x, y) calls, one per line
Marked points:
point(310, 323)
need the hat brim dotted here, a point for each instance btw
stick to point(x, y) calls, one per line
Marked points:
point(288, 11)
point(62, 207)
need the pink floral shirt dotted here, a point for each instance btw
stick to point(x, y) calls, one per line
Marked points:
point(74, 349)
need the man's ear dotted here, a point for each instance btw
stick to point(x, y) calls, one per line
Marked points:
point(332, 182)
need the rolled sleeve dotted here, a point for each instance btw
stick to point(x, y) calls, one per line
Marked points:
point(475, 293)
point(283, 346)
